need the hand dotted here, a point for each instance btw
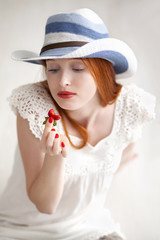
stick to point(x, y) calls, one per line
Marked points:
point(52, 143)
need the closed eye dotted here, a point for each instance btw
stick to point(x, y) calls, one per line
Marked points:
point(77, 69)
point(53, 70)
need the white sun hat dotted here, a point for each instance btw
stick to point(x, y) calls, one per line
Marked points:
point(81, 34)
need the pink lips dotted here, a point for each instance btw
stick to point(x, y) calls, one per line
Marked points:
point(66, 94)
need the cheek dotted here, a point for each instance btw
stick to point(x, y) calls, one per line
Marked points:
point(89, 86)
point(88, 90)
point(52, 86)
point(89, 93)
point(92, 86)
point(52, 83)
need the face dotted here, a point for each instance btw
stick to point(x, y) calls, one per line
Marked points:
point(71, 84)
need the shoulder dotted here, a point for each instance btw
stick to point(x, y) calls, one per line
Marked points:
point(138, 103)
point(31, 98)
point(136, 107)
point(30, 92)
point(32, 102)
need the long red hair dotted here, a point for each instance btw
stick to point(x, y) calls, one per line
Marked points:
point(104, 76)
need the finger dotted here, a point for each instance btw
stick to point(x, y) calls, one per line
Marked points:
point(46, 131)
point(56, 145)
point(64, 146)
point(49, 142)
point(64, 150)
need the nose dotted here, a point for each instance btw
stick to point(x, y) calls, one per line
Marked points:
point(65, 79)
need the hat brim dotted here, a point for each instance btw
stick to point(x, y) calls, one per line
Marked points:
point(113, 50)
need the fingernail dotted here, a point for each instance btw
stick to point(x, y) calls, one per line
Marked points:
point(53, 129)
point(57, 135)
point(62, 144)
point(50, 120)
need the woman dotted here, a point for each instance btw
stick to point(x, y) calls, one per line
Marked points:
point(68, 169)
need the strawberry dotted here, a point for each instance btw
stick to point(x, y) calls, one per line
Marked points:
point(51, 113)
point(56, 117)
point(53, 116)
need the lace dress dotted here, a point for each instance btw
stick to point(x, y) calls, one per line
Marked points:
point(81, 213)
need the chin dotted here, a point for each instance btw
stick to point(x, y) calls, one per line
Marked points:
point(70, 106)
point(66, 106)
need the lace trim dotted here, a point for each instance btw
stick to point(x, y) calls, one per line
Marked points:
point(32, 101)
point(136, 108)
point(133, 107)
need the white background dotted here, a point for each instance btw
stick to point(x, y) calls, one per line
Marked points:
point(134, 196)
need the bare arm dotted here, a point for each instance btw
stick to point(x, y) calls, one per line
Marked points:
point(43, 164)
point(128, 155)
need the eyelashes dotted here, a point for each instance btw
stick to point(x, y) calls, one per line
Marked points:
point(53, 70)
point(73, 69)
point(77, 69)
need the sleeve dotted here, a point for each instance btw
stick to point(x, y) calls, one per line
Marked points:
point(32, 101)
point(139, 109)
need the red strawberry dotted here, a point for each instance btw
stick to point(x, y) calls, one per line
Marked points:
point(52, 116)
point(51, 113)
point(56, 117)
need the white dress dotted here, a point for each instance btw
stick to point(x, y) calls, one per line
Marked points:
point(81, 213)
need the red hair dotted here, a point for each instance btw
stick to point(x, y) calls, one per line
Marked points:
point(104, 76)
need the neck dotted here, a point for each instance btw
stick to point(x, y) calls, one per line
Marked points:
point(87, 114)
